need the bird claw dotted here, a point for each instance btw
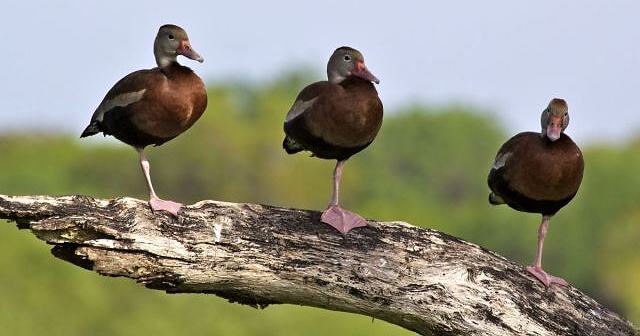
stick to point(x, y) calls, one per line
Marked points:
point(546, 278)
point(341, 219)
point(162, 205)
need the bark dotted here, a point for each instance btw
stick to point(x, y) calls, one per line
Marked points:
point(420, 279)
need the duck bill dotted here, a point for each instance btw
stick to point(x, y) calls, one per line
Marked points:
point(553, 132)
point(186, 51)
point(364, 73)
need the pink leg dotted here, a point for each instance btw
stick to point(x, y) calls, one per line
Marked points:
point(155, 202)
point(341, 219)
point(536, 269)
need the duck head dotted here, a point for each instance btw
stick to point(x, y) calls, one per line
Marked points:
point(554, 119)
point(170, 42)
point(346, 62)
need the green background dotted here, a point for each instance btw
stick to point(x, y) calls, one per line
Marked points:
point(428, 167)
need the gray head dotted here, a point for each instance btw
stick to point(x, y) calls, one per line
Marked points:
point(554, 119)
point(346, 62)
point(170, 42)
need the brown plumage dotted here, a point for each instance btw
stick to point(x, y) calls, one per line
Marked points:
point(151, 107)
point(163, 102)
point(336, 119)
point(539, 173)
point(343, 120)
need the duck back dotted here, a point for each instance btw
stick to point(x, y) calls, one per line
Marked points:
point(534, 174)
point(343, 119)
point(170, 101)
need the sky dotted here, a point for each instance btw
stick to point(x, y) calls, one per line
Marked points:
point(507, 57)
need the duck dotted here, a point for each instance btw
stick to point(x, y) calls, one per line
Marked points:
point(335, 119)
point(539, 173)
point(153, 106)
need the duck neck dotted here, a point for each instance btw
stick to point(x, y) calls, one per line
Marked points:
point(355, 81)
point(163, 58)
point(548, 141)
point(164, 61)
point(335, 77)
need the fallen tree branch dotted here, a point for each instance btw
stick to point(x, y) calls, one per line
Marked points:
point(420, 279)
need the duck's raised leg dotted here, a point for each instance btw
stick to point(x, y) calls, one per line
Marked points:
point(155, 202)
point(536, 269)
point(341, 219)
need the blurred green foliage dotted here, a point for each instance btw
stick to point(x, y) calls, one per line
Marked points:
point(428, 167)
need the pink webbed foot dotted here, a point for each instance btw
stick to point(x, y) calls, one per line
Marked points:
point(544, 277)
point(162, 205)
point(341, 219)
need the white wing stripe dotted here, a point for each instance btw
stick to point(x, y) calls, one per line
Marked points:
point(120, 100)
point(298, 107)
point(501, 160)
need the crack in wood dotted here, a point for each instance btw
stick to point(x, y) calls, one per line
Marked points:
point(421, 279)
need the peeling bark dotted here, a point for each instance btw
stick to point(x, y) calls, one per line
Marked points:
point(420, 279)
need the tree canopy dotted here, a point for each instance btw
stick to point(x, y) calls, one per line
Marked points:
point(428, 165)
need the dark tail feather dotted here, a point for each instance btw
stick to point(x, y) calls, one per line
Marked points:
point(291, 146)
point(495, 199)
point(92, 129)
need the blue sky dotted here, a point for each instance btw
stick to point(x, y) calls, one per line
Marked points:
point(510, 57)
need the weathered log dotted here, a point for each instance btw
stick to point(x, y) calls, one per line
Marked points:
point(420, 279)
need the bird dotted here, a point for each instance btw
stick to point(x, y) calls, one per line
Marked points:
point(335, 119)
point(539, 173)
point(153, 106)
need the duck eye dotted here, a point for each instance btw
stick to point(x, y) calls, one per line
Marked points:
point(347, 58)
point(171, 37)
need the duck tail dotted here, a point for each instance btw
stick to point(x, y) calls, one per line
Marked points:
point(290, 146)
point(92, 129)
point(495, 199)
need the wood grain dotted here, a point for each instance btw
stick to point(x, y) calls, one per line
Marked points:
point(420, 279)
